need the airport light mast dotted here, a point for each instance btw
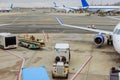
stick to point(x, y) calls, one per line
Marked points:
point(101, 2)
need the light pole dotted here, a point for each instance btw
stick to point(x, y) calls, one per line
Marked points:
point(92, 2)
point(101, 2)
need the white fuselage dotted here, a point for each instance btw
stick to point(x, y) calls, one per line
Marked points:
point(72, 8)
point(63, 8)
point(103, 8)
point(59, 8)
point(116, 38)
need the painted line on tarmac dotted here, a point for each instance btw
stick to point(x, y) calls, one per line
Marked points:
point(81, 68)
point(4, 24)
point(22, 63)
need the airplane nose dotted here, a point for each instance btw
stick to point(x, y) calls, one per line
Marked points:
point(118, 40)
point(117, 47)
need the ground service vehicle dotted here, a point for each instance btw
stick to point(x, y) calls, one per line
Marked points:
point(32, 43)
point(115, 74)
point(60, 70)
point(62, 59)
point(62, 52)
point(8, 41)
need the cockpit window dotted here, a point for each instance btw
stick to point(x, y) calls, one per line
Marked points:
point(117, 31)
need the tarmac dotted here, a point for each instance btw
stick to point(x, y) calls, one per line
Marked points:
point(81, 44)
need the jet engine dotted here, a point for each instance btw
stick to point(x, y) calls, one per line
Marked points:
point(99, 40)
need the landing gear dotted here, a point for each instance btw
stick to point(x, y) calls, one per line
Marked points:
point(109, 40)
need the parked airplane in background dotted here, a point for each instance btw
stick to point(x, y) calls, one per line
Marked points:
point(113, 37)
point(6, 9)
point(106, 9)
point(65, 8)
point(58, 8)
point(72, 8)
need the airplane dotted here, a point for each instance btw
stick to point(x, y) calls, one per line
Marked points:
point(57, 8)
point(6, 9)
point(67, 9)
point(72, 8)
point(106, 9)
point(112, 38)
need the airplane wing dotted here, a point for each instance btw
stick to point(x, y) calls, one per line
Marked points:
point(84, 28)
point(113, 18)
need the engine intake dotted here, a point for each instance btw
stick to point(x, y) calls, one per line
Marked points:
point(99, 40)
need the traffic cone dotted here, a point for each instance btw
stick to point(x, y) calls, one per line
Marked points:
point(47, 36)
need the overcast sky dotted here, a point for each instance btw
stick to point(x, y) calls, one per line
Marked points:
point(49, 3)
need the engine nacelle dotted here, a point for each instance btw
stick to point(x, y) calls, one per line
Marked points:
point(99, 40)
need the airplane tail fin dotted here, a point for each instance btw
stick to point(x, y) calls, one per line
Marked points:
point(11, 6)
point(55, 5)
point(84, 3)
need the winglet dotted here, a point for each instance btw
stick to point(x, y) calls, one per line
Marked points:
point(59, 20)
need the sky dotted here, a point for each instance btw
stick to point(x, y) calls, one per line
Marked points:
point(49, 3)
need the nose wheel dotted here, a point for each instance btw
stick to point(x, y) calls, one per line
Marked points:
point(109, 40)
